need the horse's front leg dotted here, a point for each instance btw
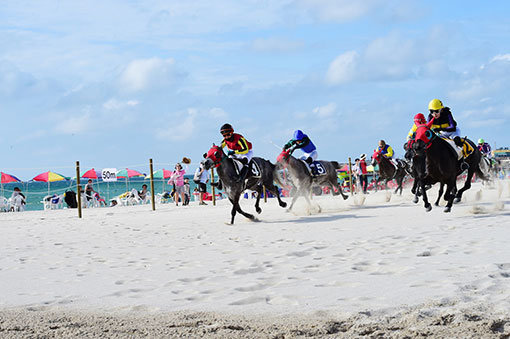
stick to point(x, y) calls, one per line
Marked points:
point(234, 210)
point(426, 203)
point(441, 189)
point(257, 202)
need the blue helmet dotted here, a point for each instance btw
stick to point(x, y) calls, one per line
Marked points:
point(298, 134)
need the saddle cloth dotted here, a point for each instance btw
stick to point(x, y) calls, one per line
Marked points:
point(321, 170)
point(254, 167)
point(465, 151)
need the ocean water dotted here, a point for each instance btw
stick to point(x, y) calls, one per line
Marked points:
point(35, 191)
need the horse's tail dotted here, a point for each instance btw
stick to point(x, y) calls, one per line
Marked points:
point(336, 164)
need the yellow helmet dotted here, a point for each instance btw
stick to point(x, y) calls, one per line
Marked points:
point(435, 104)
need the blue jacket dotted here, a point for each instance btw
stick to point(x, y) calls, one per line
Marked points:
point(306, 145)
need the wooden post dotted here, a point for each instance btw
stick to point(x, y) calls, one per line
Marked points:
point(78, 188)
point(350, 175)
point(152, 186)
point(212, 187)
point(265, 193)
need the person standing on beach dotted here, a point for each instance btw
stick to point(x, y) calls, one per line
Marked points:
point(187, 191)
point(363, 173)
point(177, 179)
point(201, 178)
point(89, 189)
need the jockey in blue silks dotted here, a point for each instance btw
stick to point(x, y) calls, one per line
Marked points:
point(303, 142)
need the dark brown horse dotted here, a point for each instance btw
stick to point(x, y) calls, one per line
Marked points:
point(261, 174)
point(388, 171)
point(433, 161)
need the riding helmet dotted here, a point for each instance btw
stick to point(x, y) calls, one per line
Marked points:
point(226, 128)
point(419, 119)
point(481, 141)
point(435, 104)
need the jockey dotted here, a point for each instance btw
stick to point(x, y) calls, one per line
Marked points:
point(419, 119)
point(303, 142)
point(484, 148)
point(444, 124)
point(386, 151)
point(238, 148)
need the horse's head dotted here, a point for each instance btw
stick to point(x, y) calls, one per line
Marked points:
point(425, 134)
point(376, 157)
point(419, 147)
point(213, 157)
point(283, 157)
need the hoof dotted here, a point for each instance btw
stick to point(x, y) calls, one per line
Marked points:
point(456, 200)
point(345, 197)
point(258, 209)
point(428, 208)
point(283, 204)
point(436, 203)
point(415, 200)
point(447, 210)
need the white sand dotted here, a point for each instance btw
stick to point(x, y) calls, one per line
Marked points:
point(379, 255)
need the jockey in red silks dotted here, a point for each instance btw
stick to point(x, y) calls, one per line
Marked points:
point(239, 148)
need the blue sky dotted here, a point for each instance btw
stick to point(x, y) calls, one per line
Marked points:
point(114, 83)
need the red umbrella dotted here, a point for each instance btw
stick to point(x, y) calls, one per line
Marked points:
point(344, 168)
point(92, 174)
point(7, 178)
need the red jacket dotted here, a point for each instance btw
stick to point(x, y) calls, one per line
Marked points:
point(237, 143)
point(363, 166)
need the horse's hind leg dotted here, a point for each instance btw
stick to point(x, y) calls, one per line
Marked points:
point(247, 215)
point(467, 184)
point(441, 189)
point(449, 195)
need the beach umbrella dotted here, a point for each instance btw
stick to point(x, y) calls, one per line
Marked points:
point(92, 174)
point(7, 178)
point(128, 173)
point(160, 174)
point(50, 177)
point(344, 168)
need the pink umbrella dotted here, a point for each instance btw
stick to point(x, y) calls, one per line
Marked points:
point(7, 178)
point(92, 174)
point(128, 173)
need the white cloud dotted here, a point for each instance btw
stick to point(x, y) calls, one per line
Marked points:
point(144, 73)
point(218, 112)
point(114, 104)
point(337, 10)
point(182, 127)
point(325, 111)
point(343, 69)
point(74, 125)
point(501, 57)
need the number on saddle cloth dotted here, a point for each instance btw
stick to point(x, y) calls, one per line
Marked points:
point(319, 167)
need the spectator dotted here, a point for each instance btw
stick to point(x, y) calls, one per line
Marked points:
point(201, 178)
point(88, 190)
point(356, 174)
point(187, 191)
point(18, 200)
point(143, 193)
point(363, 173)
point(177, 179)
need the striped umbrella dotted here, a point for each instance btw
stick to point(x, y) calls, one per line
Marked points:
point(7, 178)
point(50, 177)
point(160, 174)
point(128, 173)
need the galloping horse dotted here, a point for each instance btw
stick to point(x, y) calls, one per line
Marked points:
point(303, 179)
point(262, 173)
point(433, 162)
point(387, 170)
point(474, 160)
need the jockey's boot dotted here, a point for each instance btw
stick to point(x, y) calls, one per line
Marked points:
point(243, 173)
point(313, 170)
point(217, 184)
point(458, 141)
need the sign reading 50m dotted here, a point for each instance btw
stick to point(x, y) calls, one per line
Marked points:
point(109, 174)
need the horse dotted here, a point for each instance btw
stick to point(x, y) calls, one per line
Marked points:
point(433, 162)
point(303, 180)
point(387, 170)
point(477, 164)
point(262, 173)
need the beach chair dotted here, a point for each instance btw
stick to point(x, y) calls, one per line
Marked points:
point(17, 204)
point(4, 204)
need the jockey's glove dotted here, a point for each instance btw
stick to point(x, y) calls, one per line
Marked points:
point(231, 153)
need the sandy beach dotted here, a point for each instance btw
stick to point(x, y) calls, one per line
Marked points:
point(368, 266)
